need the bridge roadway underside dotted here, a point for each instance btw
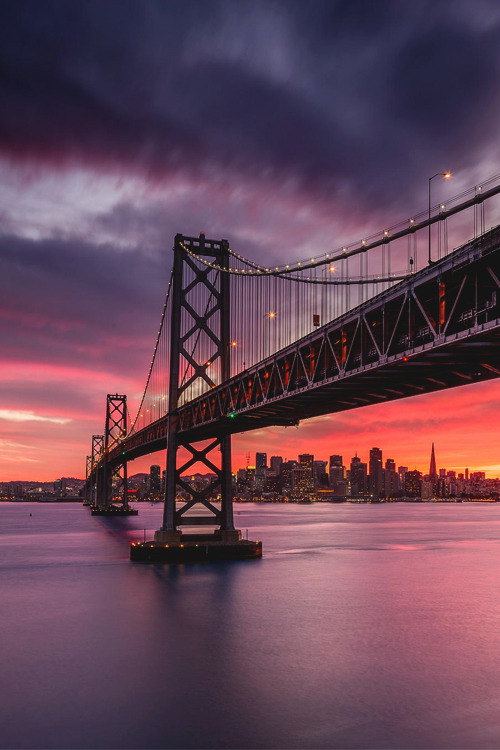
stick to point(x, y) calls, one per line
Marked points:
point(463, 362)
point(469, 359)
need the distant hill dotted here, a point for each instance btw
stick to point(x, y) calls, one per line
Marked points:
point(140, 477)
point(68, 481)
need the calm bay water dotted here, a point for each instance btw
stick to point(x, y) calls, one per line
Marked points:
point(362, 627)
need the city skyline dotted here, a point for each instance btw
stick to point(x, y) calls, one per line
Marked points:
point(104, 157)
point(466, 470)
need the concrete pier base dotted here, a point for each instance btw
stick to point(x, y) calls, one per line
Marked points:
point(167, 537)
point(175, 547)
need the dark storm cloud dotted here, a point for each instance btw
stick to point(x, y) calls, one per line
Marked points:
point(71, 303)
point(330, 94)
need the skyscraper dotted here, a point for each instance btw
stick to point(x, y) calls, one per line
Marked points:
point(337, 472)
point(306, 461)
point(391, 478)
point(432, 469)
point(376, 480)
point(357, 476)
point(320, 475)
point(260, 462)
point(275, 464)
point(155, 479)
point(413, 483)
point(286, 474)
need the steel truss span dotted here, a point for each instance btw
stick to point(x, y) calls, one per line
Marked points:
point(440, 328)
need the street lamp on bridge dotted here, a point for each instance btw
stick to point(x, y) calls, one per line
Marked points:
point(447, 176)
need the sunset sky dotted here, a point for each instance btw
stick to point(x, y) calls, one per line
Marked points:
point(287, 127)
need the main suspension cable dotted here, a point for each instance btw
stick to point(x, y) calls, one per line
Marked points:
point(163, 317)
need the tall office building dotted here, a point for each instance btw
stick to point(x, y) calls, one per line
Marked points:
point(301, 482)
point(320, 474)
point(413, 483)
point(337, 472)
point(260, 462)
point(376, 474)
point(306, 462)
point(286, 475)
point(357, 477)
point(155, 479)
point(275, 464)
point(391, 478)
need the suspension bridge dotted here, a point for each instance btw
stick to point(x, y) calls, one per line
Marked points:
point(242, 346)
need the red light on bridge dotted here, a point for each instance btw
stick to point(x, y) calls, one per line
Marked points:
point(405, 359)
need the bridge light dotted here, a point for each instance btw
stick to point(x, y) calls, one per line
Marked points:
point(234, 343)
point(332, 269)
point(405, 359)
point(271, 315)
point(447, 175)
point(232, 415)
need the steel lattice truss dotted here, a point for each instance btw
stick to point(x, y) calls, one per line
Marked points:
point(115, 475)
point(97, 452)
point(212, 319)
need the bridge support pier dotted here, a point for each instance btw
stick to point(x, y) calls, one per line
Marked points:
point(212, 516)
point(201, 298)
point(112, 483)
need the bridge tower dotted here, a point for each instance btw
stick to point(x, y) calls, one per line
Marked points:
point(87, 491)
point(111, 481)
point(187, 322)
point(96, 468)
point(116, 487)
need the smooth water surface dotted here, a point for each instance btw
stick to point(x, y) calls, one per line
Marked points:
point(363, 626)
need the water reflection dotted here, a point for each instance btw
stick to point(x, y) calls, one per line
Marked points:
point(361, 627)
